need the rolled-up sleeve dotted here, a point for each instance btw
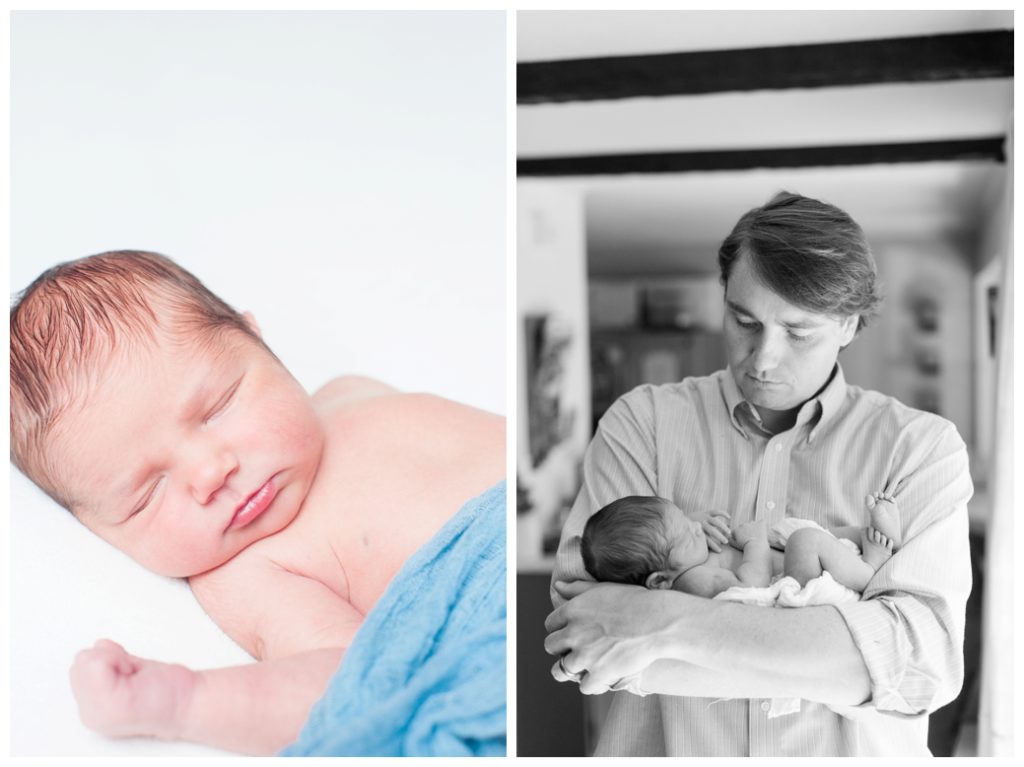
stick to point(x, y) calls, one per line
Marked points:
point(619, 461)
point(909, 627)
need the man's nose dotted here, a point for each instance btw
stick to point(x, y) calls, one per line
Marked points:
point(768, 350)
point(211, 466)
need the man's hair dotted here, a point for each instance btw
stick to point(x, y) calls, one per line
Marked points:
point(626, 540)
point(809, 252)
point(74, 318)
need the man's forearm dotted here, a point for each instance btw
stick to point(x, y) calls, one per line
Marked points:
point(257, 708)
point(757, 652)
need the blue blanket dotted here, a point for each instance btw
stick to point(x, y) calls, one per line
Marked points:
point(425, 674)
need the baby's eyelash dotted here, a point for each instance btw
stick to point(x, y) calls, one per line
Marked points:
point(223, 402)
point(145, 501)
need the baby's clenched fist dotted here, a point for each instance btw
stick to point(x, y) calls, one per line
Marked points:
point(120, 695)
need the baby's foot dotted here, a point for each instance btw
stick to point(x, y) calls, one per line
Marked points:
point(885, 517)
point(876, 548)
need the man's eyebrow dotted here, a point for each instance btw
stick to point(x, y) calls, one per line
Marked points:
point(737, 308)
point(804, 324)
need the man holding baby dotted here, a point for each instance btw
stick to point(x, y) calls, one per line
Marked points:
point(778, 434)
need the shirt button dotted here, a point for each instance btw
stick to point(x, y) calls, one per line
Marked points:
point(770, 505)
point(765, 706)
point(778, 447)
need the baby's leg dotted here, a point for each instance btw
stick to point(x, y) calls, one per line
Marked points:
point(811, 551)
point(884, 534)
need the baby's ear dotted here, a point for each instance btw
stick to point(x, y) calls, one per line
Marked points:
point(251, 322)
point(659, 579)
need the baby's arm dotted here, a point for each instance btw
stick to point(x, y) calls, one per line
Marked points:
point(715, 525)
point(756, 568)
point(253, 709)
point(258, 708)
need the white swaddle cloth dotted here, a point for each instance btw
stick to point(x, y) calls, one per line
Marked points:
point(784, 591)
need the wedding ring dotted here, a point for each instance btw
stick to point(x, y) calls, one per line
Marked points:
point(567, 672)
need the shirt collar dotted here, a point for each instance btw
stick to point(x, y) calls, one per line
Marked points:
point(821, 407)
point(733, 399)
point(830, 398)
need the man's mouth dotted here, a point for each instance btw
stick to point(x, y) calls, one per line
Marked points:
point(254, 505)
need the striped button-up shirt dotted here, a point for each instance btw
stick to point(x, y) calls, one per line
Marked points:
point(701, 445)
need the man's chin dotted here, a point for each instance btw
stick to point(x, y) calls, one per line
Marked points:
point(766, 397)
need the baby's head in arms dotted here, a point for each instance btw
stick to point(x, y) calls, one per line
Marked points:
point(642, 540)
point(154, 412)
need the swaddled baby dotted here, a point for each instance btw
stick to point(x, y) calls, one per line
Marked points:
point(155, 413)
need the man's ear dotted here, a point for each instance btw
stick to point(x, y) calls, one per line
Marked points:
point(660, 579)
point(849, 329)
point(251, 322)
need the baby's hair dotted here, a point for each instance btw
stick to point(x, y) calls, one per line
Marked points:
point(626, 540)
point(72, 320)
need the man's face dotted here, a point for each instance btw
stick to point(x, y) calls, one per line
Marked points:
point(780, 355)
point(185, 454)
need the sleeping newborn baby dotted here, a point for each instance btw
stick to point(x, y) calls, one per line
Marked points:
point(649, 541)
point(155, 414)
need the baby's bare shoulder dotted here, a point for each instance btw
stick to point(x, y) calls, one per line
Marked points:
point(349, 389)
point(707, 580)
point(273, 611)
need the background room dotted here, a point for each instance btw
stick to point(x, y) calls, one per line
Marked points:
point(631, 172)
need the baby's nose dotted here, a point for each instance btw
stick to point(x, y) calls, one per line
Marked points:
point(210, 474)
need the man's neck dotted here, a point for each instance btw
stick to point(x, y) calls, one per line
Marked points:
point(777, 421)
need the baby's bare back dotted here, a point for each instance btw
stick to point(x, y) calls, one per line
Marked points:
point(395, 468)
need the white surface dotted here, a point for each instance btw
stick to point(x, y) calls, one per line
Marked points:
point(340, 175)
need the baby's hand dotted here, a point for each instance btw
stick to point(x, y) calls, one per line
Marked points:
point(750, 531)
point(716, 527)
point(120, 695)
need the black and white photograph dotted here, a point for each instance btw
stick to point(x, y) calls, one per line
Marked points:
point(771, 252)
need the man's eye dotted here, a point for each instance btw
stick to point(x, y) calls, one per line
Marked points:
point(745, 323)
point(800, 339)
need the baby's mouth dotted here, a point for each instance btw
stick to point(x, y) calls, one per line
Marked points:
point(255, 505)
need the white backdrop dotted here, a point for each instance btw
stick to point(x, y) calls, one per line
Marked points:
point(340, 175)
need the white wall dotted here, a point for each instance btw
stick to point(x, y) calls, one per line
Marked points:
point(551, 279)
point(342, 175)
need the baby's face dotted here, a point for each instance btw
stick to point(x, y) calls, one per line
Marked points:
point(687, 544)
point(186, 454)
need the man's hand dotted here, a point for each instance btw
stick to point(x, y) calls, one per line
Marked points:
point(750, 531)
point(120, 695)
point(715, 524)
point(605, 634)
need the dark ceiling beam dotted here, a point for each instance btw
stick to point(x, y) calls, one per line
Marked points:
point(990, 149)
point(966, 55)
